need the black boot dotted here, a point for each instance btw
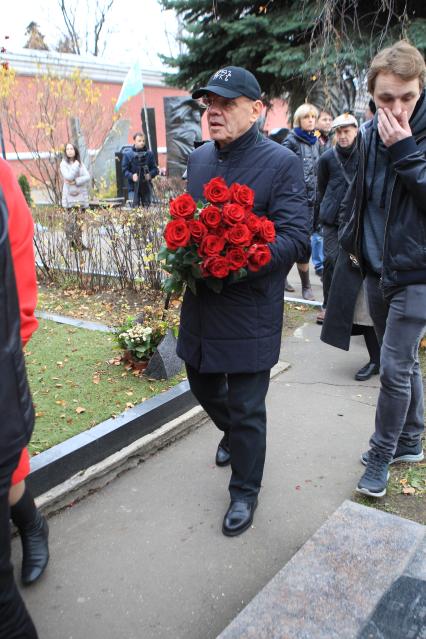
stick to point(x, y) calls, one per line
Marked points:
point(307, 293)
point(34, 532)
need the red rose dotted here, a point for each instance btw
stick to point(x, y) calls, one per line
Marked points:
point(211, 245)
point(239, 235)
point(253, 222)
point(233, 214)
point(258, 255)
point(197, 230)
point(242, 194)
point(217, 266)
point(211, 217)
point(216, 191)
point(176, 234)
point(236, 257)
point(183, 207)
point(267, 229)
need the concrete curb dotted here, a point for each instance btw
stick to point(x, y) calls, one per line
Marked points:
point(62, 461)
point(99, 475)
point(73, 321)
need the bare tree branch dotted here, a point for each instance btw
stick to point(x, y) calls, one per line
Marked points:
point(86, 35)
point(69, 19)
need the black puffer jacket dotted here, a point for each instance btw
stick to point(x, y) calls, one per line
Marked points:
point(16, 409)
point(308, 155)
point(336, 170)
point(404, 251)
point(239, 330)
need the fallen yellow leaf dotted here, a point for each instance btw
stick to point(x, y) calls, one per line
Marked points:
point(80, 409)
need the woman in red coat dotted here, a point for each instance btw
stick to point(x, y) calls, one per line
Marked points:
point(32, 526)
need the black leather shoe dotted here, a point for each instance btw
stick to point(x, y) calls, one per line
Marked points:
point(238, 518)
point(223, 454)
point(367, 371)
point(35, 550)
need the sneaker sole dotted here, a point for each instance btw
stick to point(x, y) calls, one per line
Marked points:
point(365, 491)
point(403, 458)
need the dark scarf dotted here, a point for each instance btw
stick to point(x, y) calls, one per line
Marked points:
point(307, 136)
point(346, 152)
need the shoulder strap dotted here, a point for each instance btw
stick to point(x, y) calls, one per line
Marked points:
point(339, 162)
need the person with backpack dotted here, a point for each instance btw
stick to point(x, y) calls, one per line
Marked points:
point(17, 323)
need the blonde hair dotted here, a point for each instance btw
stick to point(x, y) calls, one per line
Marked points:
point(401, 59)
point(302, 111)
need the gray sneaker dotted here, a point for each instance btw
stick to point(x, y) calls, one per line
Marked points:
point(403, 453)
point(375, 479)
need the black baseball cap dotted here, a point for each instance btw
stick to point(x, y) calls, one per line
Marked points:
point(231, 82)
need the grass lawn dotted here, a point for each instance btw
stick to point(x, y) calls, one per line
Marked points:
point(110, 307)
point(75, 376)
point(77, 382)
point(406, 493)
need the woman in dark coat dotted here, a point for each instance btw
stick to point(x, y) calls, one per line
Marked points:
point(304, 143)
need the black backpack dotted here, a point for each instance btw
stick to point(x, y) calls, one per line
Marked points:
point(16, 408)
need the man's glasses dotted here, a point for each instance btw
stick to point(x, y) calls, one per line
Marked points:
point(217, 102)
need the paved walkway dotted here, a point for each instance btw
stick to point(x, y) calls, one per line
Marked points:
point(145, 558)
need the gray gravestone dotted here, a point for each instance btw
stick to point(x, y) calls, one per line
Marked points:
point(165, 363)
point(104, 164)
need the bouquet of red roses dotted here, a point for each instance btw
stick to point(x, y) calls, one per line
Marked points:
point(214, 241)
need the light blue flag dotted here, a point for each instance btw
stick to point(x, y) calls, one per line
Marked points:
point(132, 85)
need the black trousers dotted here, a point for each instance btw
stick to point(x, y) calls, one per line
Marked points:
point(15, 622)
point(235, 402)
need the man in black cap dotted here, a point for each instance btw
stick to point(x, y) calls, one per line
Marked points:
point(230, 340)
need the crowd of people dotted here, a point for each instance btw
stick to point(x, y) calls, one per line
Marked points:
point(353, 201)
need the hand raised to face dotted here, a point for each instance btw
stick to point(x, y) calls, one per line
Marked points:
point(391, 129)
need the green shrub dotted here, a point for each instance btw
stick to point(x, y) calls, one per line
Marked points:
point(25, 188)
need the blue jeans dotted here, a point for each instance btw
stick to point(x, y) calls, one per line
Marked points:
point(317, 252)
point(400, 323)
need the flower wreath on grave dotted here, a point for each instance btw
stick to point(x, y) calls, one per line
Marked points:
point(140, 337)
point(214, 242)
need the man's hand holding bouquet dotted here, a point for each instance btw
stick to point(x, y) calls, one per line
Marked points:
point(217, 241)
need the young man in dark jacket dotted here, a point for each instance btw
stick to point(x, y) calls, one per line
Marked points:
point(230, 341)
point(387, 235)
point(140, 169)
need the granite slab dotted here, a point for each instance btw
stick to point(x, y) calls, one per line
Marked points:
point(332, 585)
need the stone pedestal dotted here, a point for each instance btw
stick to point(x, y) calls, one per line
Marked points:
point(354, 579)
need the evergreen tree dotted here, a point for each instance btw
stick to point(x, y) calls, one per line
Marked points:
point(25, 188)
point(311, 49)
point(35, 38)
